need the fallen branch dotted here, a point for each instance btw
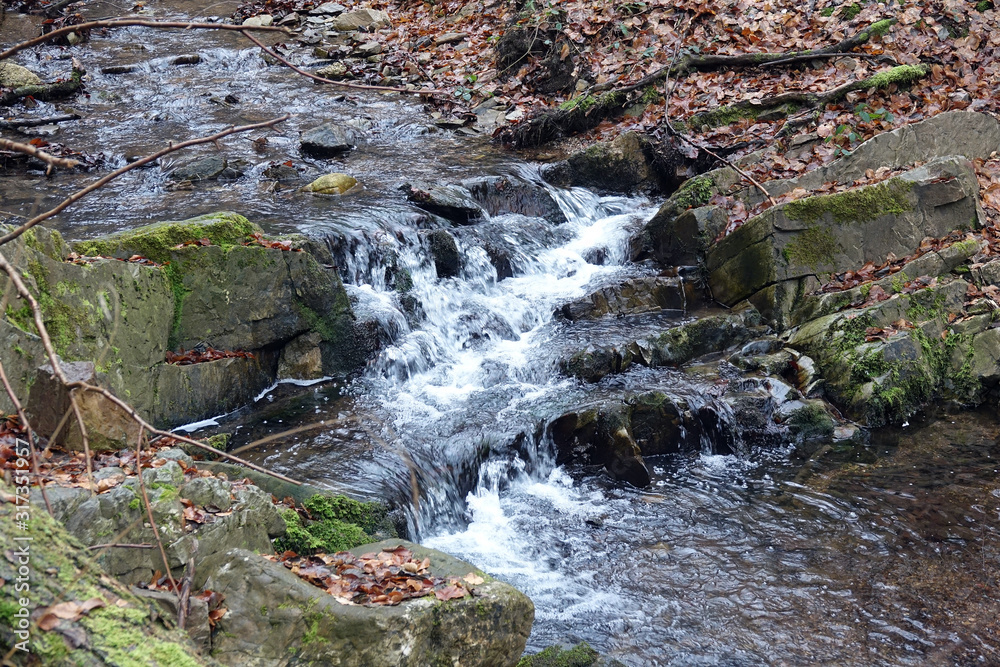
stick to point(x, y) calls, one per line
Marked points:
point(35, 122)
point(6, 238)
point(590, 109)
point(711, 62)
point(358, 86)
point(86, 440)
point(786, 103)
point(34, 152)
point(185, 592)
point(124, 23)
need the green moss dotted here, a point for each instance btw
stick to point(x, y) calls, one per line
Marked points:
point(115, 635)
point(328, 535)
point(726, 115)
point(880, 28)
point(861, 205)
point(581, 655)
point(984, 5)
point(311, 634)
point(134, 504)
point(180, 292)
point(899, 281)
point(902, 74)
point(156, 241)
point(870, 366)
point(848, 12)
point(583, 102)
point(694, 192)
point(813, 247)
point(811, 421)
point(828, 11)
point(7, 611)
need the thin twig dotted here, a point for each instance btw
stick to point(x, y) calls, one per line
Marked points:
point(124, 23)
point(31, 437)
point(135, 165)
point(120, 546)
point(86, 440)
point(28, 149)
point(344, 84)
point(149, 508)
point(167, 434)
point(291, 431)
point(185, 592)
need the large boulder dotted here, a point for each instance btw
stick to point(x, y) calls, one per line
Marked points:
point(787, 251)
point(215, 284)
point(276, 618)
point(361, 19)
point(451, 202)
point(621, 165)
point(684, 226)
point(241, 516)
point(108, 425)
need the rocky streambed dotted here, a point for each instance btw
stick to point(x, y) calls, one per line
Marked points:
point(686, 440)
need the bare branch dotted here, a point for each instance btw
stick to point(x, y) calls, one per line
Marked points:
point(28, 149)
point(86, 441)
point(274, 54)
point(79, 194)
point(121, 546)
point(124, 23)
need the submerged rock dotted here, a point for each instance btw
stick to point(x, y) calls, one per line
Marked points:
point(326, 141)
point(617, 166)
point(452, 202)
point(634, 296)
point(331, 184)
point(15, 76)
point(274, 614)
point(444, 250)
point(509, 194)
point(202, 169)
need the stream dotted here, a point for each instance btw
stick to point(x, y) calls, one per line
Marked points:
point(885, 552)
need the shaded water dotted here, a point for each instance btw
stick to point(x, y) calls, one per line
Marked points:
point(877, 553)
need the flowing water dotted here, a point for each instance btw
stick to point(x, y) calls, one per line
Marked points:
point(882, 552)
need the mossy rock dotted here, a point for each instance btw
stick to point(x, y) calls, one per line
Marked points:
point(332, 184)
point(121, 633)
point(156, 241)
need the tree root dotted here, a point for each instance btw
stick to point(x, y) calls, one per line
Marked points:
point(589, 109)
point(787, 103)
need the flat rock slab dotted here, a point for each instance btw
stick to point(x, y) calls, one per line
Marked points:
point(276, 618)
